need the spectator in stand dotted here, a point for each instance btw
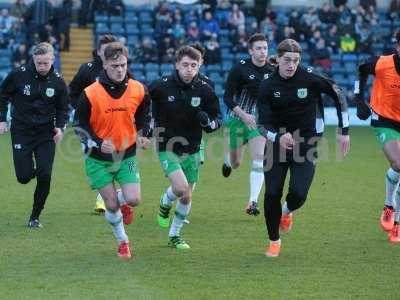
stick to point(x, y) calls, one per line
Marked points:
point(147, 52)
point(213, 55)
point(260, 7)
point(193, 33)
point(327, 14)
point(20, 56)
point(321, 56)
point(38, 15)
point(366, 4)
point(365, 40)
point(166, 43)
point(222, 13)
point(116, 7)
point(190, 17)
point(295, 23)
point(268, 28)
point(63, 15)
point(394, 10)
point(100, 6)
point(239, 40)
point(338, 3)
point(236, 17)
point(332, 40)
point(284, 33)
point(6, 19)
point(169, 57)
point(18, 10)
point(310, 18)
point(347, 43)
point(208, 26)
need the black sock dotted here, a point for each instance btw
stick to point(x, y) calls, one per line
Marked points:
point(389, 206)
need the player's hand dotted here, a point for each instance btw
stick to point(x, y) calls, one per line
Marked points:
point(286, 141)
point(249, 120)
point(343, 143)
point(107, 147)
point(363, 110)
point(58, 135)
point(143, 142)
point(203, 118)
point(3, 127)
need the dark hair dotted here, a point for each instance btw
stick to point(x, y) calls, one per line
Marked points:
point(255, 38)
point(189, 52)
point(114, 50)
point(397, 36)
point(199, 47)
point(288, 45)
point(106, 39)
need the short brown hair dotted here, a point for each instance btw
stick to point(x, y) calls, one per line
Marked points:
point(189, 52)
point(43, 48)
point(199, 47)
point(288, 45)
point(255, 38)
point(106, 39)
point(114, 50)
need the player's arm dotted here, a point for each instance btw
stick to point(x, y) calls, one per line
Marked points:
point(83, 130)
point(330, 88)
point(7, 90)
point(364, 70)
point(231, 87)
point(77, 85)
point(210, 115)
point(143, 115)
point(264, 121)
point(62, 102)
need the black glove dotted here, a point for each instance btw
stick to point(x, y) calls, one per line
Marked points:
point(363, 110)
point(203, 118)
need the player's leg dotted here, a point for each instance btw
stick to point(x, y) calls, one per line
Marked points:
point(390, 142)
point(128, 177)
point(190, 167)
point(24, 167)
point(170, 164)
point(274, 183)
point(100, 178)
point(233, 158)
point(394, 233)
point(301, 177)
point(44, 156)
point(256, 146)
point(113, 215)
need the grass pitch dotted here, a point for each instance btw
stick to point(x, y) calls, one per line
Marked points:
point(336, 249)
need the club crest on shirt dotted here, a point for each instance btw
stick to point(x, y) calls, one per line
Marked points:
point(195, 101)
point(49, 92)
point(302, 93)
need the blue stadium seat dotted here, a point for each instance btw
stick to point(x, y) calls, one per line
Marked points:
point(102, 28)
point(227, 65)
point(116, 19)
point(132, 29)
point(350, 66)
point(151, 67)
point(132, 40)
point(241, 55)
point(137, 67)
point(216, 78)
point(151, 76)
point(166, 68)
point(117, 28)
point(145, 17)
point(213, 68)
point(100, 18)
point(349, 57)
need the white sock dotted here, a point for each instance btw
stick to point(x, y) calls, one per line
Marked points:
point(256, 179)
point(397, 206)
point(392, 179)
point(168, 197)
point(227, 159)
point(181, 212)
point(115, 219)
point(120, 197)
point(285, 209)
